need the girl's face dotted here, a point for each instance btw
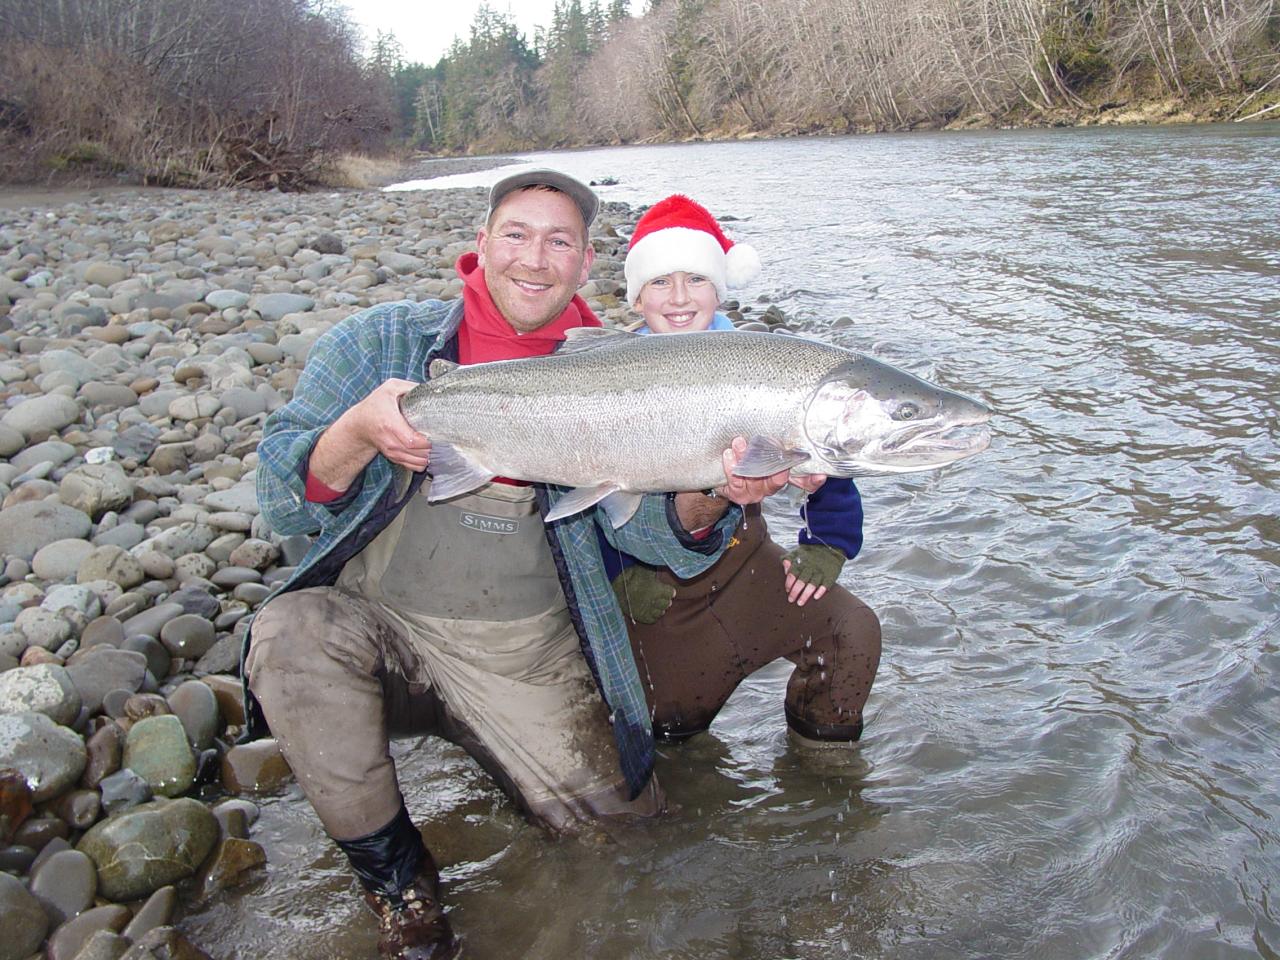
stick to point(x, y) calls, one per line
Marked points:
point(678, 302)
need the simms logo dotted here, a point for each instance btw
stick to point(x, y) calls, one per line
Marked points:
point(478, 521)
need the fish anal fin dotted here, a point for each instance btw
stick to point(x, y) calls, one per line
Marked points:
point(453, 473)
point(765, 457)
point(579, 499)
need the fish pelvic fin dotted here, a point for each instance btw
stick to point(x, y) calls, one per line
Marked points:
point(453, 473)
point(578, 339)
point(765, 457)
point(617, 503)
point(439, 367)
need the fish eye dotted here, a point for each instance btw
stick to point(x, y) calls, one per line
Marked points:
point(906, 411)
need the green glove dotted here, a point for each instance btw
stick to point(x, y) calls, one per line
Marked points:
point(816, 564)
point(642, 595)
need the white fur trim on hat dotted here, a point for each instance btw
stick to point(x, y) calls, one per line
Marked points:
point(677, 249)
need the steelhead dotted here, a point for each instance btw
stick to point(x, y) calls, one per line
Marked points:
point(614, 415)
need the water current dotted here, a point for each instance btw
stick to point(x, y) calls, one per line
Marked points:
point(1072, 749)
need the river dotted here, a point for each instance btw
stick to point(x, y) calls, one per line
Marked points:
point(1072, 749)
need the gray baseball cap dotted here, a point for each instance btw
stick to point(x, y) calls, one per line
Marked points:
point(577, 191)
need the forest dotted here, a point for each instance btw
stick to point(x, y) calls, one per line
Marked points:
point(273, 92)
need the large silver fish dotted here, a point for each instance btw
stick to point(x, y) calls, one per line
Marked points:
point(615, 415)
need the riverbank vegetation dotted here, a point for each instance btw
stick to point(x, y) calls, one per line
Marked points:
point(272, 92)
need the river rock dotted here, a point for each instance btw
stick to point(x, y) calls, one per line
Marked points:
point(60, 560)
point(78, 809)
point(96, 488)
point(123, 790)
point(229, 692)
point(56, 452)
point(156, 749)
point(165, 943)
point(105, 751)
point(77, 601)
point(196, 706)
point(110, 563)
point(242, 498)
point(156, 912)
point(151, 622)
point(141, 850)
point(231, 863)
point(51, 757)
point(273, 307)
point(188, 636)
point(255, 767)
point(159, 660)
point(40, 416)
point(65, 884)
point(181, 539)
point(43, 628)
point(255, 554)
point(26, 527)
point(15, 802)
point(226, 299)
point(69, 940)
point(46, 688)
point(101, 669)
point(11, 440)
point(23, 922)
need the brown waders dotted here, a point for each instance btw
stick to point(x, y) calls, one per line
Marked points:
point(730, 621)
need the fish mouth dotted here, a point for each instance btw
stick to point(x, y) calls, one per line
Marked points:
point(934, 443)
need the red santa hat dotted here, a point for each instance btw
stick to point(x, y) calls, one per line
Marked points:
point(679, 234)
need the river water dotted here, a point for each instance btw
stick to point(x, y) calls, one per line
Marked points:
point(1072, 749)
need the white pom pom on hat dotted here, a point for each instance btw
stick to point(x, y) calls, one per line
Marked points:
point(678, 234)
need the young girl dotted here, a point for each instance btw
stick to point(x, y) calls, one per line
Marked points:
point(696, 640)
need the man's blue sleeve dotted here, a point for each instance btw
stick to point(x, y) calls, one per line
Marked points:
point(832, 516)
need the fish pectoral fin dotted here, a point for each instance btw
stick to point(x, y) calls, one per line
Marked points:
point(621, 506)
point(580, 498)
point(454, 473)
point(439, 367)
point(765, 457)
point(577, 339)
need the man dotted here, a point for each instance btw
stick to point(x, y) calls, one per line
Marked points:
point(404, 616)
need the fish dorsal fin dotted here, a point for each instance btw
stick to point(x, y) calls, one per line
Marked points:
point(579, 499)
point(577, 339)
point(765, 457)
point(453, 473)
point(439, 367)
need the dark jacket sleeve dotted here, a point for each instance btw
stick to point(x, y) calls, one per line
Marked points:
point(832, 516)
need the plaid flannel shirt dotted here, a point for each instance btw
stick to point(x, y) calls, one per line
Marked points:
point(399, 340)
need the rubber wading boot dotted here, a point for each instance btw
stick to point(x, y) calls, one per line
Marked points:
point(822, 735)
point(402, 886)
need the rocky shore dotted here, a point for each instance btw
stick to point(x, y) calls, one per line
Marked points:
point(145, 337)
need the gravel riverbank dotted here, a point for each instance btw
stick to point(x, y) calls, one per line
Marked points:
point(145, 336)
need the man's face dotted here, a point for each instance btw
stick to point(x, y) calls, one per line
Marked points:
point(535, 256)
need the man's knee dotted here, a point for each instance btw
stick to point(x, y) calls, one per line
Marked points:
point(294, 629)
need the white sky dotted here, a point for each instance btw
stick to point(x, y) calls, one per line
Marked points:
point(426, 28)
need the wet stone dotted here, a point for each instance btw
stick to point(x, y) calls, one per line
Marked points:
point(49, 756)
point(156, 748)
point(65, 885)
point(54, 845)
point(123, 790)
point(233, 860)
point(79, 809)
point(16, 859)
point(38, 831)
point(103, 669)
point(143, 705)
point(104, 945)
point(196, 706)
point(158, 658)
point(71, 938)
point(113, 703)
point(256, 767)
point(165, 943)
point(189, 636)
point(156, 912)
point(102, 630)
point(15, 802)
point(142, 850)
point(230, 694)
point(223, 657)
point(23, 922)
point(106, 750)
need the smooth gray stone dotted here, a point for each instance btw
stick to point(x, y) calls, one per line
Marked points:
point(102, 630)
point(123, 790)
point(70, 940)
point(103, 669)
point(125, 535)
point(196, 706)
point(151, 622)
point(111, 563)
point(156, 912)
point(275, 306)
point(232, 577)
point(223, 657)
point(53, 844)
point(23, 922)
point(181, 539)
point(104, 945)
point(50, 756)
point(152, 846)
point(157, 749)
point(196, 601)
point(242, 498)
point(77, 597)
point(188, 636)
point(60, 560)
point(16, 858)
point(26, 527)
point(158, 658)
point(65, 885)
point(51, 451)
point(136, 442)
point(42, 414)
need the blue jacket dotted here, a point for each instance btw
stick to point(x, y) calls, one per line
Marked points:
point(399, 340)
